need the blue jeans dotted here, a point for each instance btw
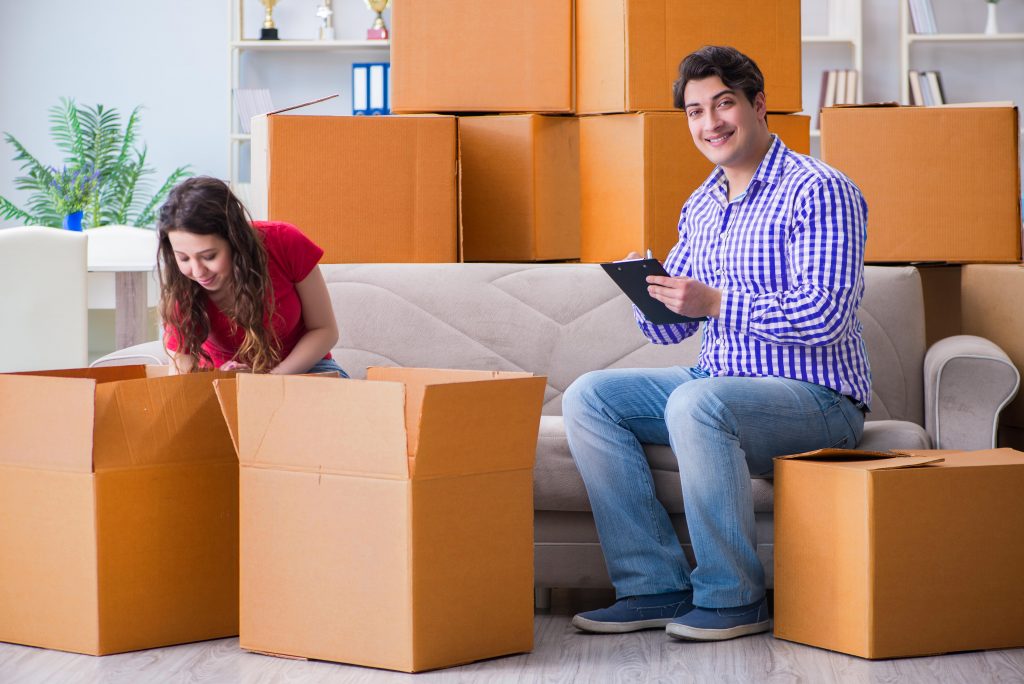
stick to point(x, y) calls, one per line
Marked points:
point(722, 430)
point(325, 365)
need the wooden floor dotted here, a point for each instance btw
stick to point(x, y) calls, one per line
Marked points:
point(561, 654)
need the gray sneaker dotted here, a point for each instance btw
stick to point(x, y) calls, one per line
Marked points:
point(650, 611)
point(716, 624)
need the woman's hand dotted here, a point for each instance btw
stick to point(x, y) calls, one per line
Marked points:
point(686, 296)
point(237, 366)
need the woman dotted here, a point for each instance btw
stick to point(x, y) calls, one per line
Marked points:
point(239, 294)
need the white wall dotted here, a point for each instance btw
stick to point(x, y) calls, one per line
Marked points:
point(171, 57)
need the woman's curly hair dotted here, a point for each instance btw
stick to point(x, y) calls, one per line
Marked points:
point(206, 206)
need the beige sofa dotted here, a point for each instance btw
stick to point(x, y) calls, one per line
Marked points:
point(561, 320)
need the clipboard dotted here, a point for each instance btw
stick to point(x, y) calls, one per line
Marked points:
point(631, 277)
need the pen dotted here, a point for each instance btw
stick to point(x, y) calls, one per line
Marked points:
point(649, 255)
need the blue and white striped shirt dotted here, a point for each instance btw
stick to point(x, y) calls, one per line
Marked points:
point(788, 257)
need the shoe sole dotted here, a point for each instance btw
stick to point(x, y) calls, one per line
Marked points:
point(688, 633)
point(618, 627)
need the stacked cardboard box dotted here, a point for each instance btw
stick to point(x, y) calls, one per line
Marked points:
point(526, 194)
point(365, 189)
point(118, 511)
point(933, 192)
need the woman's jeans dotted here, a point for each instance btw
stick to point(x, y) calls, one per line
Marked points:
point(722, 430)
point(326, 365)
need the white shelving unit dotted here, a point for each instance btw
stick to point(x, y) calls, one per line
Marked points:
point(845, 27)
point(908, 39)
point(238, 45)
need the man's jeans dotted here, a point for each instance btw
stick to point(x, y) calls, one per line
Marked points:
point(722, 430)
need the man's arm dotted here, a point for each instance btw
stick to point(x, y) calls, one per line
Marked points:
point(677, 263)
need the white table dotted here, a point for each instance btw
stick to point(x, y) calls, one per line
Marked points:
point(130, 299)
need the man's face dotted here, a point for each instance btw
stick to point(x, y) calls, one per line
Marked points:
point(725, 126)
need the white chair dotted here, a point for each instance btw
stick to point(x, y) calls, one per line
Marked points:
point(42, 299)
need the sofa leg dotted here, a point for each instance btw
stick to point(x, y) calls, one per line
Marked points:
point(542, 598)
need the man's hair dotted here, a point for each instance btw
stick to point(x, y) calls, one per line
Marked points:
point(736, 70)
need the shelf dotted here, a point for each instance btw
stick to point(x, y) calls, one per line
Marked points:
point(310, 44)
point(241, 136)
point(815, 133)
point(964, 37)
point(826, 39)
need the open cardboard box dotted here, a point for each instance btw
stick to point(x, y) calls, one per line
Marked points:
point(386, 522)
point(884, 555)
point(118, 510)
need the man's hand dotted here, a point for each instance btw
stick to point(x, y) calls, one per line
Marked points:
point(686, 296)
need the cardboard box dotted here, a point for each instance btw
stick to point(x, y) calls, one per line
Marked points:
point(628, 51)
point(637, 171)
point(934, 192)
point(118, 511)
point(366, 189)
point(387, 522)
point(991, 298)
point(494, 56)
point(892, 555)
point(520, 187)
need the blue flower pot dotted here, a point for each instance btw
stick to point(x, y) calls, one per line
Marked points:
point(73, 221)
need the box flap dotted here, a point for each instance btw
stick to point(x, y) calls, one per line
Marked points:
point(966, 459)
point(416, 379)
point(102, 374)
point(227, 396)
point(863, 459)
point(476, 427)
point(47, 422)
point(302, 104)
point(315, 424)
point(172, 419)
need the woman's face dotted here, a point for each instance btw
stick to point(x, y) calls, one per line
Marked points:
point(205, 259)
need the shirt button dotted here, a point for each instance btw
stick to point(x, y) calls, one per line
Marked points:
point(718, 271)
point(718, 343)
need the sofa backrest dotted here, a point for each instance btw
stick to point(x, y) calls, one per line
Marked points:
point(561, 320)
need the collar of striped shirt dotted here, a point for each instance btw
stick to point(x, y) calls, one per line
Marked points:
point(768, 171)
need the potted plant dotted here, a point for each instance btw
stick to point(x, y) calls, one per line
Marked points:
point(105, 175)
point(71, 190)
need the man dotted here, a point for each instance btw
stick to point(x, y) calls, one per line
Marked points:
point(770, 251)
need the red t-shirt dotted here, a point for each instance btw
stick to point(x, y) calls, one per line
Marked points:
point(291, 256)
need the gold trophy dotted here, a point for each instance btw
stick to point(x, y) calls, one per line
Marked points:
point(269, 31)
point(378, 31)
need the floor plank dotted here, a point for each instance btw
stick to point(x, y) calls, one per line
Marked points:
point(561, 654)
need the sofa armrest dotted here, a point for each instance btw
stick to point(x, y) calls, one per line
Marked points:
point(148, 353)
point(968, 380)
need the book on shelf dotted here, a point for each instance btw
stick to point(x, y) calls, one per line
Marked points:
point(935, 87)
point(838, 87)
point(250, 102)
point(851, 87)
point(926, 91)
point(830, 89)
point(914, 80)
point(921, 16)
